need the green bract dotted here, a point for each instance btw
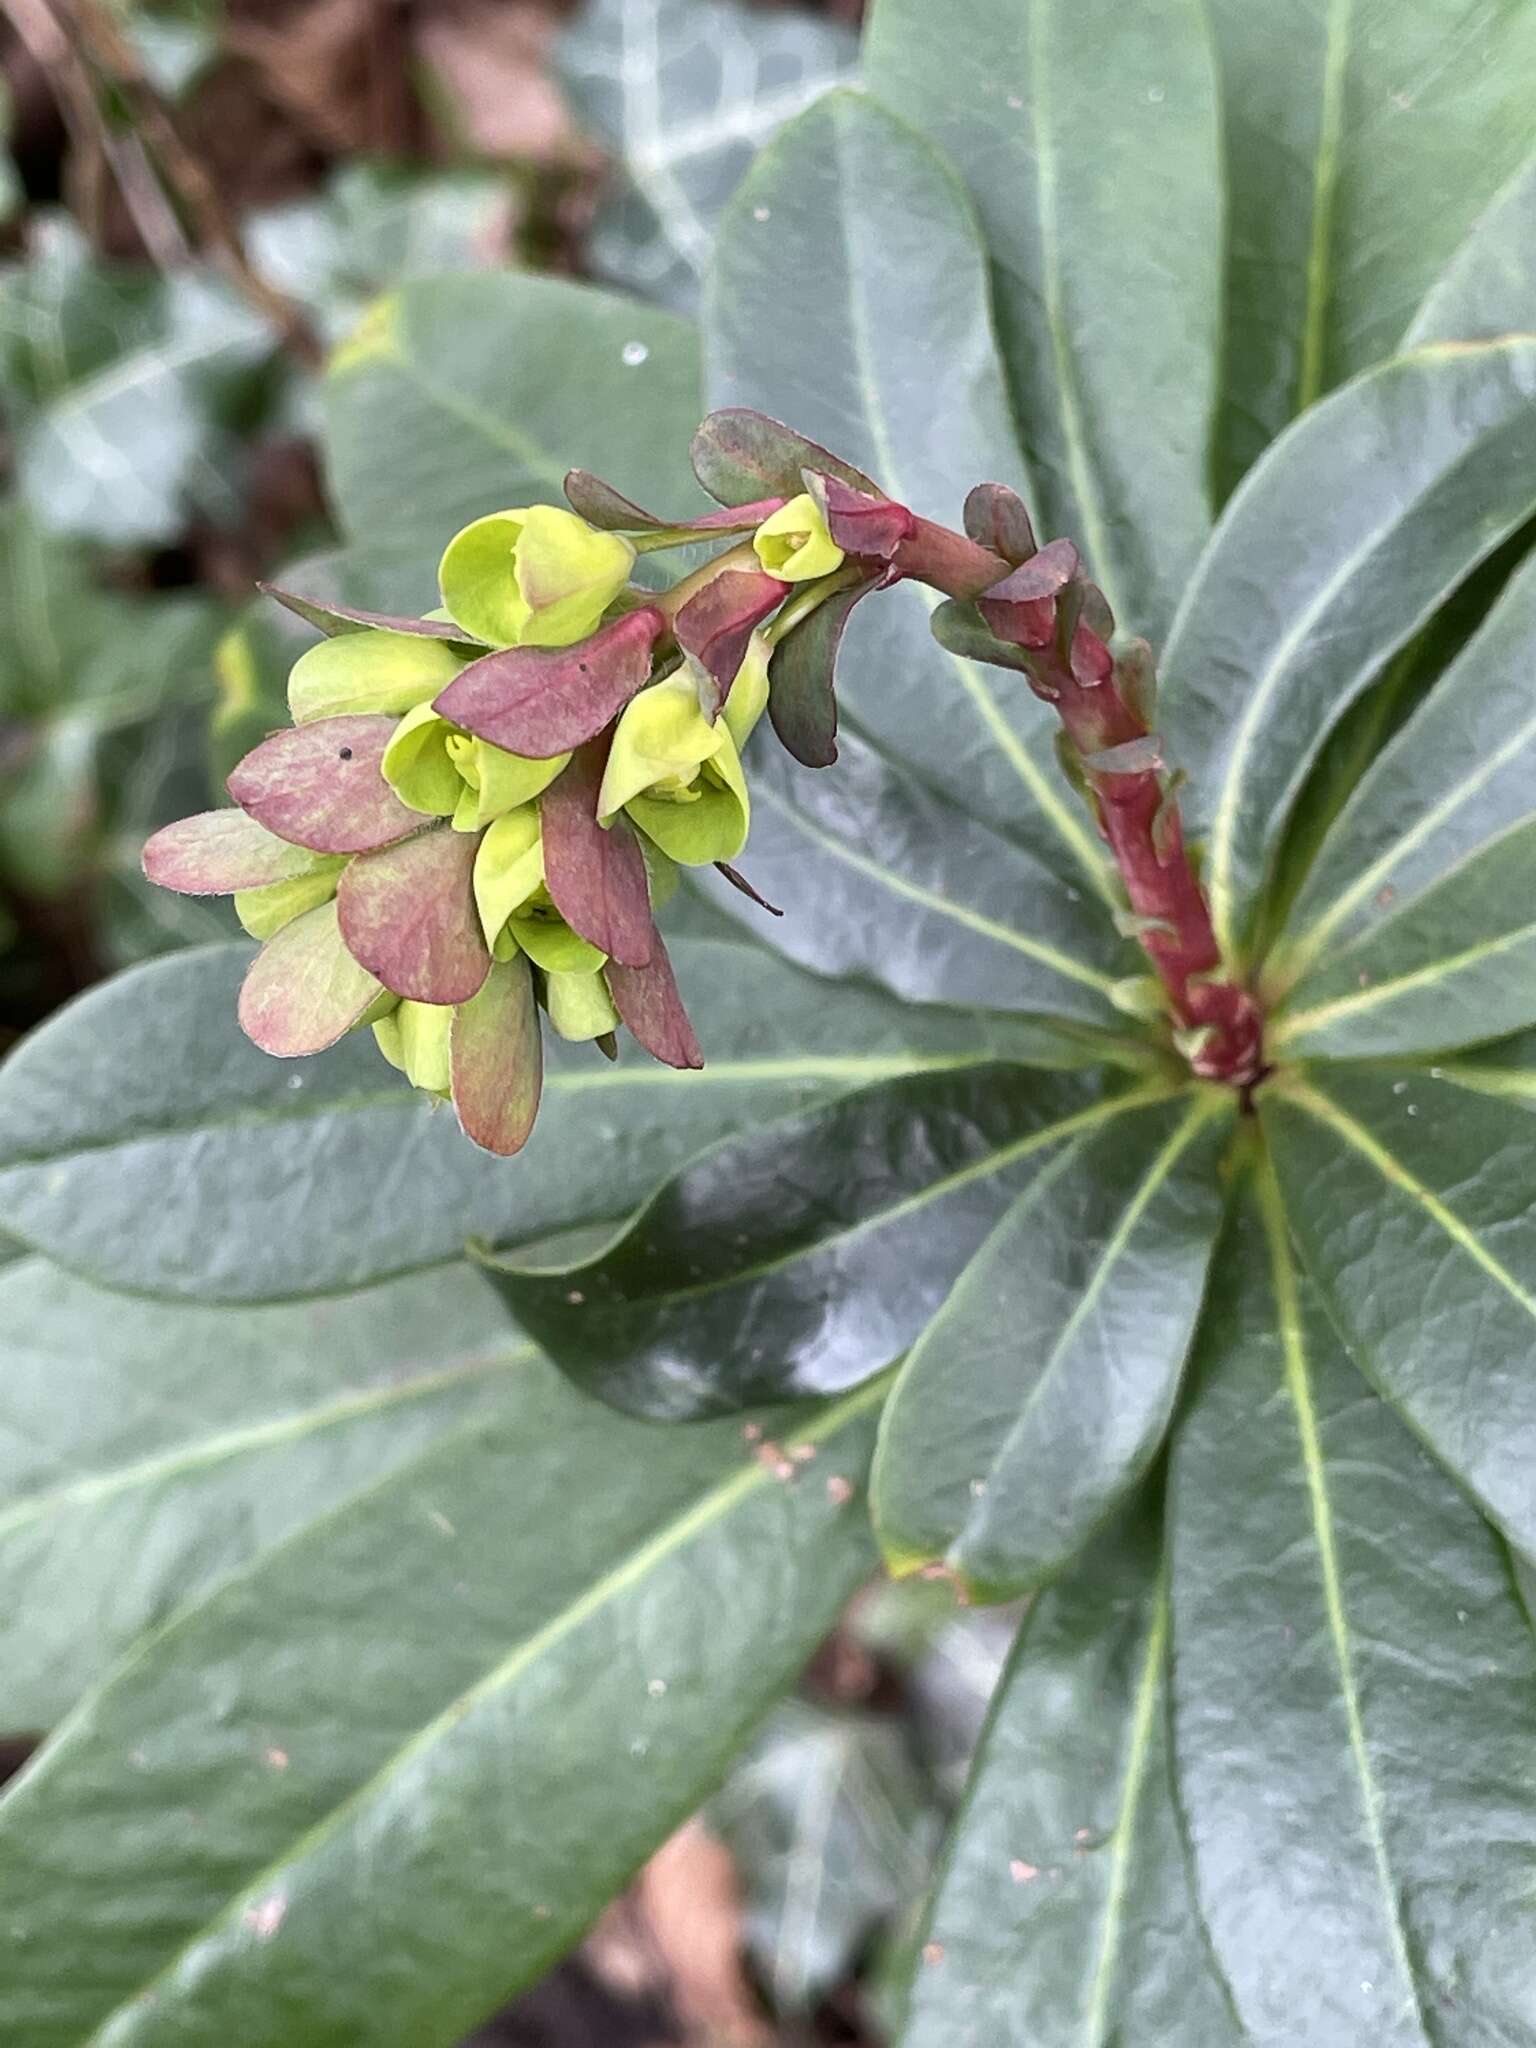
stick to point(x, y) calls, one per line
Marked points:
point(535, 577)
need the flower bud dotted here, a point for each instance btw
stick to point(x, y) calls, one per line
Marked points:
point(537, 576)
point(369, 671)
point(266, 910)
point(748, 696)
point(678, 776)
point(435, 768)
point(794, 544)
point(509, 868)
point(580, 1005)
point(415, 1038)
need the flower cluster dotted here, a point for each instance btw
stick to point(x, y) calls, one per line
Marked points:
point(476, 814)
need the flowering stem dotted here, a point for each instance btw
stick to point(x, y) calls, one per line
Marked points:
point(1220, 1024)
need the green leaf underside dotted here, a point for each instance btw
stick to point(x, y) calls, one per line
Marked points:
point(852, 237)
point(1456, 777)
point(223, 1174)
point(1064, 1910)
point(1354, 1691)
point(684, 95)
point(1339, 546)
point(467, 395)
point(1039, 1392)
point(1410, 1200)
point(1363, 140)
point(1089, 136)
point(1488, 288)
point(365, 1864)
point(147, 1452)
point(880, 876)
point(722, 1292)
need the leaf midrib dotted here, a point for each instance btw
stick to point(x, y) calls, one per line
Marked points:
point(1050, 799)
point(851, 1067)
point(909, 1205)
point(673, 1535)
point(1204, 1110)
point(87, 1488)
point(1298, 1388)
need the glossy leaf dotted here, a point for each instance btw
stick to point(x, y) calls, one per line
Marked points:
point(1457, 776)
point(1354, 1692)
point(1340, 545)
point(1454, 964)
point(1040, 1391)
point(1064, 1911)
point(431, 420)
point(1363, 140)
point(1089, 137)
point(1409, 1198)
point(394, 1870)
point(222, 1174)
point(797, 256)
point(682, 96)
point(1488, 287)
point(147, 1452)
point(880, 876)
point(840, 1795)
point(801, 1257)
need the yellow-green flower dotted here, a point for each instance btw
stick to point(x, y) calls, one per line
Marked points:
point(369, 672)
point(443, 772)
point(415, 1038)
point(678, 776)
point(580, 1005)
point(537, 576)
point(794, 544)
point(265, 910)
point(748, 697)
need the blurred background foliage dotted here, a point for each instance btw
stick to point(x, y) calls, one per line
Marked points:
point(198, 202)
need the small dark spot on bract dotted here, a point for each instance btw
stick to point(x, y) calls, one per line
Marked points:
point(346, 753)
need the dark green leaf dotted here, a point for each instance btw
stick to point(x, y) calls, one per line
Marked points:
point(1451, 965)
point(848, 269)
point(469, 395)
point(1089, 136)
point(830, 1826)
point(880, 876)
point(146, 1452)
point(1354, 1691)
point(145, 1142)
point(805, 1255)
point(1410, 1199)
point(683, 96)
point(1363, 139)
point(332, 1820)
point(1041, 1389)
point(1456, 777)
point(1065, 1912)
point(1340, 545)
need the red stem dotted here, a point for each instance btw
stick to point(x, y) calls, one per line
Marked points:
point(1140, 822)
